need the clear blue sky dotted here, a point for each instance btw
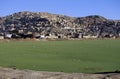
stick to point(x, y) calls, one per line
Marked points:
point(107, 8)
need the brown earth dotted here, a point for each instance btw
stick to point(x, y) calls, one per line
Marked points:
point(7, 73)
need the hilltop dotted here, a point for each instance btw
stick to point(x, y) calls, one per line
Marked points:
point(46, 25)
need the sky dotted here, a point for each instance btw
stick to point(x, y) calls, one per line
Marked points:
point(109, 9)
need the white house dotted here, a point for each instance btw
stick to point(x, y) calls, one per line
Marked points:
point(1, 37)
point(8, 35)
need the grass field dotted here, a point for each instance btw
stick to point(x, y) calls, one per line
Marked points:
point(88, 56)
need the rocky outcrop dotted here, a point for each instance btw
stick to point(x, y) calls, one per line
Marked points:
point(36, 24)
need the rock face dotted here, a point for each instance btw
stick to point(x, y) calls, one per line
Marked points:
point(6, 73)
point(45, 25)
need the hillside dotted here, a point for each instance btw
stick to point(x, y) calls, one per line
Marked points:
point(45, 25)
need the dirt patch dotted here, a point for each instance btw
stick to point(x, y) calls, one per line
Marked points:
point(7, 73)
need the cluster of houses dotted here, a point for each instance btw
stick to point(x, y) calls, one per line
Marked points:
point(66, 32)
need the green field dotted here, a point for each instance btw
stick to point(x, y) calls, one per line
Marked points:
point(88, 56)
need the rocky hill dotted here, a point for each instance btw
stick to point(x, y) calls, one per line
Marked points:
point(45, 25)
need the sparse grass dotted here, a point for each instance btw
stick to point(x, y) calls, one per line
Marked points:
point(88, 56)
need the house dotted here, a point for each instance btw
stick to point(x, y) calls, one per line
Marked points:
point(1, 37)
point(42, 36)
point(52, 36)
point(80, 35)
point(119, 34)
point(89, 36)
point(8, 36)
